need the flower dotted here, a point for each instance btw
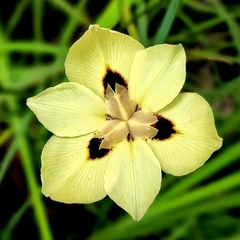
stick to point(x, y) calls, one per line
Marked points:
point(120, 121)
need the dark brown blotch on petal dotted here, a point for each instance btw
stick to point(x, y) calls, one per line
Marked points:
point(129, 137)
point(112, 77)
point(165, 128)
point(94, 151)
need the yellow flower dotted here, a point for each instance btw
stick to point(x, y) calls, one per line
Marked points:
point(120, 121)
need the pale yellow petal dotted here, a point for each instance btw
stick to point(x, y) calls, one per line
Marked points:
point(98, 50)
point(68, 109)
point(133, 177)
point(195, 137)
point(157, 76)
point(68, 175)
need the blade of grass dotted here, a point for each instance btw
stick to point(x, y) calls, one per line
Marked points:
point(167, 22)
point(4, 136)
point(227, 157)
point(142, 23)
point(74, 20)
point(16, 16)
point(34, 75)
point(7, 159)
point(126, 228)
point(127, 19)
point(35, 191)
point(37, 9)
point(13, 221)
point(198, 27)
point(63, 6)
point(232, 24)
point(110, 15)
point(26, 159)
point(33, 47)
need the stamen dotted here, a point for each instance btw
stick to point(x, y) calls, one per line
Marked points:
point(124, 119)
point(118, 104)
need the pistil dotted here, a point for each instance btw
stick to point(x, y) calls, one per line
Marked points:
point(124, 119)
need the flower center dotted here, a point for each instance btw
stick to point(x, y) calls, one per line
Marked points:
point(124, 119)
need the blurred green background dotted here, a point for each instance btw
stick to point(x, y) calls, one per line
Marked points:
point(34, 39)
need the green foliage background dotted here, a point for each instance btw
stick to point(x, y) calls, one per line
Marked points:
point(34, 39)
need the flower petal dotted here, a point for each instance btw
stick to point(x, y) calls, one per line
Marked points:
point(194, 139)
point(95, 52)
point(68, 110)
point(157, 76)
point(133, 179)
point(68, 175)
